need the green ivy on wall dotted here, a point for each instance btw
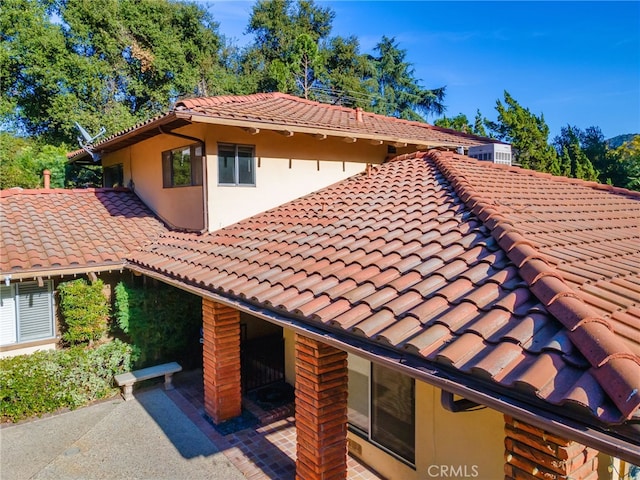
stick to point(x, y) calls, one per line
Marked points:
point(163, 323)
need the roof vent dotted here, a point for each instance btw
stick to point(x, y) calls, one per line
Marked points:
point(492, 152)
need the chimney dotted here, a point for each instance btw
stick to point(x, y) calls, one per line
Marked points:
point(47, 179)
point(359, 117)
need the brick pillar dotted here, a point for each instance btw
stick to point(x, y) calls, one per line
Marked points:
point(532, 453)
point(221, 362)
point(321, 411)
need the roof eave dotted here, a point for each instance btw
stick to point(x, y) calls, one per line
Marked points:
point(129, 137)
point(32, 273)
point(280, 127)
point(582, 431)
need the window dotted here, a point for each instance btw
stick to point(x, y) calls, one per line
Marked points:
point(182, 167)
point(236, 165)
point(113, 176)
point(26, 312)
point(382, 407)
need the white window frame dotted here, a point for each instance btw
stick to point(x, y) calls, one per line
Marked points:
point(13, 320)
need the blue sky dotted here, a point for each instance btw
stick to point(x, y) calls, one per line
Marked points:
point(576, 63)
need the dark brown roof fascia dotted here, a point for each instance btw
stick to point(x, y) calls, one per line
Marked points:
point(327, 131)
point(48, 272)
point(525, 411)
point(126, 138)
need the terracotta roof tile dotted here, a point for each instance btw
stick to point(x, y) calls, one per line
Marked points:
point(44, 230)
point(278, 111)
point(508, 276)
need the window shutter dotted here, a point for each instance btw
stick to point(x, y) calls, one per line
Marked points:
point(34, 312)
point(7, 315)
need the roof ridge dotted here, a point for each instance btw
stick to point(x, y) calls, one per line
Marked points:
point(591, 334)
point(217, 100)
point(561, 179)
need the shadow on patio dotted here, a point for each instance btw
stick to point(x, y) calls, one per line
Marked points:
point(266, 451)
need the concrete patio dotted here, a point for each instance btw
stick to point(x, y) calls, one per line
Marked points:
point(158, 435)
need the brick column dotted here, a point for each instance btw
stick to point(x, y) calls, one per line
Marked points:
point(321, 411)
point(532, 453)
point(221, 362)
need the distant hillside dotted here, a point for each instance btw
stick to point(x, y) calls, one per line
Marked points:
point(615, 142)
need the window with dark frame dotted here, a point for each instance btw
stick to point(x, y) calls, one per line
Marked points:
point(113, 176)
point(236, 165)
point(382, 407)
point(182, 167)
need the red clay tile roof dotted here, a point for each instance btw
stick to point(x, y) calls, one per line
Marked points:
point(281, 111)
point(521, 280)
point(44, 230)
point(287, 110)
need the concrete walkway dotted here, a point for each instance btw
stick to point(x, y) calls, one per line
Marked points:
point(148, 438)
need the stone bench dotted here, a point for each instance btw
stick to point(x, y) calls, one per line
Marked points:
point(126, 380)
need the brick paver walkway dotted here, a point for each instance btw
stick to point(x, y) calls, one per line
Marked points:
point(260, 453)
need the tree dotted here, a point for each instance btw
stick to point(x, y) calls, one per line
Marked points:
point(348, 75)
point(22, 161)
point(479, 123)
point(460, 123)
point(627, 156)
point(602, 157)
point(574, 162)
point(305, 63)
point(398, 92)
point(102, 64)
point(286, 35)
point(527, 133)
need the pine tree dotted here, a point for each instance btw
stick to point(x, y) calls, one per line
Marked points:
point(527, 133)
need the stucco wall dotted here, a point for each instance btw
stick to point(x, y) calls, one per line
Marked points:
point(142, 168)
point(286, 168)
point(448, 445)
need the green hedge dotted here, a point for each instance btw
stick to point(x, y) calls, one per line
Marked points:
point(85, 311)
point(47, 381)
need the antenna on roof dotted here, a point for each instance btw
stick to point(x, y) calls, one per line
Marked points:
point(87, 139)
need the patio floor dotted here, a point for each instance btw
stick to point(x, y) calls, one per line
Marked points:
point(266, 451)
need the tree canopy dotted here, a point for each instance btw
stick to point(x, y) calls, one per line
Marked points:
point(114, 63)
point(102, 64)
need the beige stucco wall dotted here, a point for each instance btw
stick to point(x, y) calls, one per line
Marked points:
point(470, 443)
point(6, 353)
point(286, 168)
point(182, 207)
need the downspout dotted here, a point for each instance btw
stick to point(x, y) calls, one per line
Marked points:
point(205, 183)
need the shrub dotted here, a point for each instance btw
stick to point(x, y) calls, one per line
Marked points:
point(47, 381)
point(163, 323)
point(85, 311)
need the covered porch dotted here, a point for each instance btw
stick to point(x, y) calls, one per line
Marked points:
point(261, 452)
point(313, 444)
